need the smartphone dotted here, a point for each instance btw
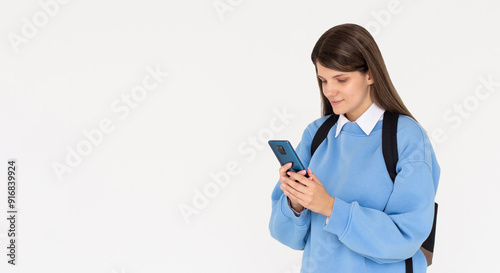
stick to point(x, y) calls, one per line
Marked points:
point(285, 154)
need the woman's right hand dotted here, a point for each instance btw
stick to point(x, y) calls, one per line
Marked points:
point(285, 182)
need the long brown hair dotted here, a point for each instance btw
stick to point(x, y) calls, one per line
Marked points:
point(348, 48)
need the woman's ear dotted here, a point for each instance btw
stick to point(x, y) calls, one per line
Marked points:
point(369, 77)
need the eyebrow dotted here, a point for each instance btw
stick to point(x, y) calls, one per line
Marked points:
point(333, 76)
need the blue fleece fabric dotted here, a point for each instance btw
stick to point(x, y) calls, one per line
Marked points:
point(361, 236)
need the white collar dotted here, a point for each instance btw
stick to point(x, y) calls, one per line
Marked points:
point(366, 121)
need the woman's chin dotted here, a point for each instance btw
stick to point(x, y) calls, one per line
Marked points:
point(338, 111)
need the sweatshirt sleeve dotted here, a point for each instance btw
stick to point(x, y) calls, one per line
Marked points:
point(396, 233)
point(284, 226)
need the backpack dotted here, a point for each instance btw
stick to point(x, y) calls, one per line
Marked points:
point(390, 152)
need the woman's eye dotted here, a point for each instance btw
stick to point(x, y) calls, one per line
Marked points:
point(342, 80)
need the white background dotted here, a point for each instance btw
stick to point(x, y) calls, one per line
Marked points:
point(230, 71)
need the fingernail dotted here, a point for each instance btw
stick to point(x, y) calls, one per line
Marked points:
point(288, 173)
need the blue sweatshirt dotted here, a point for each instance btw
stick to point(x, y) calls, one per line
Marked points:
point(360, 235)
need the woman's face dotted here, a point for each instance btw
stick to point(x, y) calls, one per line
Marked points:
point(348, 92)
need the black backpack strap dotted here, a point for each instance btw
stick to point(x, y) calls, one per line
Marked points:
point(409, 265)
point(390, 151)
point(390, 142)
point(323, 132)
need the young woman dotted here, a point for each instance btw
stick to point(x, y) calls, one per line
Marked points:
point(347, 214)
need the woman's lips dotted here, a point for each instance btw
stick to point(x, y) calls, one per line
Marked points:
point(336, 102)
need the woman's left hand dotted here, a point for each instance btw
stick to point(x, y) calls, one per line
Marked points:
point(310, 192)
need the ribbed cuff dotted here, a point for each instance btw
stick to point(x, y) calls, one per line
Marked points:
point(289, 212)
point(340, 218)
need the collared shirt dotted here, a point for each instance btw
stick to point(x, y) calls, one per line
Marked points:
point(366, 121)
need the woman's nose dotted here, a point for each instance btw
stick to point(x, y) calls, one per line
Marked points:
point(330, 90)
